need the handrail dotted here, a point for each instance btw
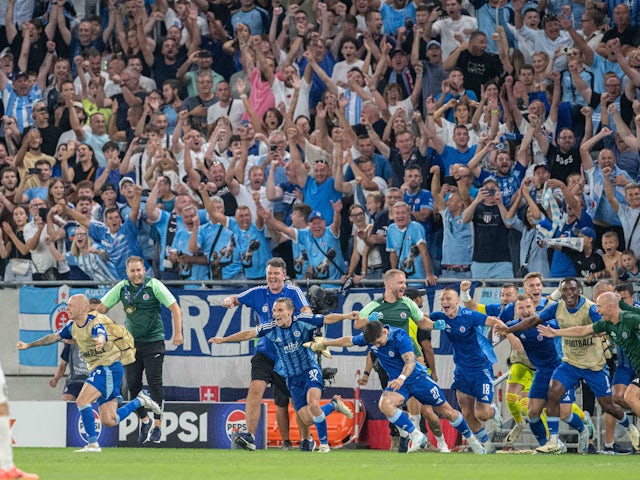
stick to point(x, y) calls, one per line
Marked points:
point(243, 283)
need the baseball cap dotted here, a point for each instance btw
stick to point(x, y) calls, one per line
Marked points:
point(315, 214)
point(124, 180)
point(433, 43)
point(398, 50)
point(542, 165)
point(78, 105)
point(587, 231)
point(19, 74)
point(5, 52)
point(415, 293)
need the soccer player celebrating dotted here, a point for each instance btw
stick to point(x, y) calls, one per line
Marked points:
point(394, 349)
point(297, 364)
point(583, 359)
point(400, 311)
point(622, 323)
point(141, 298)
point(261, 299)
point(545, 357)
point(103, 356)
point(521, 371)
point(473, 356)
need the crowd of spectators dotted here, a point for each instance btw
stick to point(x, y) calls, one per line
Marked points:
point(457, 139)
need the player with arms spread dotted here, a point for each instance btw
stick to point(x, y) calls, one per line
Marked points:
point(297, 364)
point(103, 353)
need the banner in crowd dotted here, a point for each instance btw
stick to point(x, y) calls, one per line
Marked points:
point(196, 362)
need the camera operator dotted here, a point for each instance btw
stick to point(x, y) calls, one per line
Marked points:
point(249, 237)
point(491, 257)
point(321, 244)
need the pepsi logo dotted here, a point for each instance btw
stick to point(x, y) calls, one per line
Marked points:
point(236, 421)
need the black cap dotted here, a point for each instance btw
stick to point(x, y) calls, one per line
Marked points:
point(413, 293)
point(19, 74)
point(543, 165)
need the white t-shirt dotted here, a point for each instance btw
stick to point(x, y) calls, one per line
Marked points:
point(282, 93)
point(448, 28)
point(41, 256)
point(341, 69)
point(245, 197)
point(235, 111)
point(382, 188)
point(406, 105)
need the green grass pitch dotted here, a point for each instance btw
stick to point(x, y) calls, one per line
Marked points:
point(161, 464)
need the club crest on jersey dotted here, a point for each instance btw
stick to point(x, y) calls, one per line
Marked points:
point(462, 329)
point(392, 354)
point(265, 308)
point(624, 335)
point(403, 315)
point(145, 296)
point(296, 334)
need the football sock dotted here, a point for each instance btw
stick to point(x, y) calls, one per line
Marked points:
point(524, 405)
point(329, 408)
point(126, 410)
point(401, 420)
point(86, 412)
point(624, 421)
point(6, 454)
point(538, 429)
point(460, 424)
point(554, 425)
point(574, 421)
point(321, 427)
point(513, 404)
point(482, 435)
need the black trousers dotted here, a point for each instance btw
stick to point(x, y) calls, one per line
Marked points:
point(149, 359)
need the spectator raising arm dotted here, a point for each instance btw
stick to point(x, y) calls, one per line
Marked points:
point(608, 189)
point(585, 148)
point(437, 143)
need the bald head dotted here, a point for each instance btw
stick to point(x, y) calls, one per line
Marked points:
point(608, 298)
point(607, 304)
point(78, 307)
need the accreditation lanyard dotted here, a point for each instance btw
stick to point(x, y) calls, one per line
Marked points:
point(127, 296)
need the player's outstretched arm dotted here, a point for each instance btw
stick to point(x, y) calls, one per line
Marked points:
point(236, 337)
point(336, 342)
point(578, 331)
point(46, 340)
point(339, 317)
point(524, 324)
